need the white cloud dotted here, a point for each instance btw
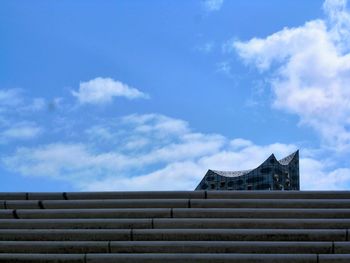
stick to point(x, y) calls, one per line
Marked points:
point(339, 21)
point(66, 161)
point(156, 124)
point(10, 97)
point(189, 147)
point(225, 68)
point(240, 143)
point(213, 5)
point(247, 156)
point(206, 47)
point(174, 176)
point(99, 133)
point(37, 105)
point(310, 70)
point(317, 178)
point(176, 168)
point(136, 143)
point(173, 158)
point(20, 131)
point(15, 114)
point(14, 99)
point(104, 90)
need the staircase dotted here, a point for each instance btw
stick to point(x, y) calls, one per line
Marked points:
point(193, 226)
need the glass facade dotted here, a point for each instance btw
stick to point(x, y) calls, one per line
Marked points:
point(272, 174)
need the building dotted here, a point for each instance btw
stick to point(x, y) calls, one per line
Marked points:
point(272, 174)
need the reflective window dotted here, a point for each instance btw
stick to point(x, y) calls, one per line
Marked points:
point(265, 170)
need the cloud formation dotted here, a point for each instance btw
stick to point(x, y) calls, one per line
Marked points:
point(20, 131)
point(15, 116)
point(104, 90)
point(155, 152)
point(309, 69)
point(10, 97)
point(213, 5)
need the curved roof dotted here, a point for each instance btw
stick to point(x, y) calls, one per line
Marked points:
point(289, 158)
point(284, 161)
point(232, 173)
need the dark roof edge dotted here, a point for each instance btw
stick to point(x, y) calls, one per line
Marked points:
point(286, 160)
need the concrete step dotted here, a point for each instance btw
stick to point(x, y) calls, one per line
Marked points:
point(177, 213)
point(239, 235)
point(177, 223)
point(229, 247)
point(176, 203)
point(78, 223)
point(22, 204)
point(250, 223)
point(259, 213)
point(218, 258)
point(107, 203)
point(269, 203)
point(6, 214)
point(278, 194)
point(94, 213)
point(178, 226)
point(45, 258)
point(81, 247)
point(178, 195)
point(174, 235)
point(65, 234)
point(174, 258)
point(54, 247)
point(103, 195)
point(12, 196)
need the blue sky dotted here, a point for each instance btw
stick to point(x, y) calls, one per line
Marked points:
point(148, 95)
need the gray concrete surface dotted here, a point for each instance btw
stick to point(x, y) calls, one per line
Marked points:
point(270, 203)
point(54, 247)
point(43, 258)
point(262, 247)
point(344, 258)
point(278, 194)
point(252, 223)
point(136, 195)
point(176, 223)
point(176, 203)
point(64, 234)
point(6, 214)
point(260, 213)
point(110, 203)
point(202, 258)
point(12, 196)
point(179, 226)
point(123, 223)
point(94, 213)
point(239, 234)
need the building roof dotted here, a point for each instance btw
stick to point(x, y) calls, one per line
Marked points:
point(231, 173)
point(284, 161)
point(289, 158)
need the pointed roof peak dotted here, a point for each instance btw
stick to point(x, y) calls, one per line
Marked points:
point(272, 156)
point(270, 160)
point(286, 160)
